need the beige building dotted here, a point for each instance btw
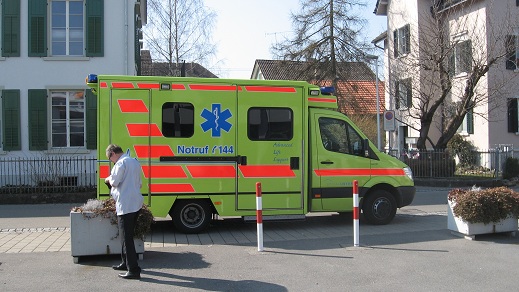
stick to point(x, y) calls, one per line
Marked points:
point(479, 45)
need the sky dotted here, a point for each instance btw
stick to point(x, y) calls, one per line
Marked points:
point(246, 29)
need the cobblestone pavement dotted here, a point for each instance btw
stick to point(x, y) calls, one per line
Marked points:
point(233, 231)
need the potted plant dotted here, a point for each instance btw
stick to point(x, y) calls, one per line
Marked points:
point(480, 211)
point(93, 229)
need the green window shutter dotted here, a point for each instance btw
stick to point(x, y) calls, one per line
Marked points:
point(11, 120)
point(512, 116)
point(37, 28)
point(38, 119)
point(11, 28)
point(409, 92)
point(397, 94)
point(94, 28)
point(407, 38)
point(91, 119)
point(395, 43)
point(511, 52)
point(470, 121)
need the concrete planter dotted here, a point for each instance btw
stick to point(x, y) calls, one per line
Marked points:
point(470, 230)
point(96, 235)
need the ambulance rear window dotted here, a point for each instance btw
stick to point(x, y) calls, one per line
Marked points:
point(177, 119)
point(270, 124)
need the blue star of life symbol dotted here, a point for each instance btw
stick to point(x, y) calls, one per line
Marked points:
point(216, 120)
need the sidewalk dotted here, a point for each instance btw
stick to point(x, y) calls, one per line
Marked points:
point(223, 232)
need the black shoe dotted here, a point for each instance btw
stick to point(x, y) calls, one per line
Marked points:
point(120, 267)
point(130, 275)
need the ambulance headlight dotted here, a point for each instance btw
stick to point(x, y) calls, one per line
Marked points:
point(408, 172)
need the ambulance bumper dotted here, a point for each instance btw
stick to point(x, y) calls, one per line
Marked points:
point(406, 195)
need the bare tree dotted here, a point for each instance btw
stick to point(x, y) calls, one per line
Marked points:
point(180, 30)
point(446, 70)
point(327, 34)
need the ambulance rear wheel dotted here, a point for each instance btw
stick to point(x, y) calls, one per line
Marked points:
point(379, 207)
point(191, 216)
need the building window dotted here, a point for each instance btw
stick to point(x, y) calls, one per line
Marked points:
point(403, 94)
point(67, 31)
point(513, 116)
point(66, 28)
point(68, 118)
point(512, 52)
point(177, 120)
point(467, 126)
point(461, 58)
point(270, 124)
point(402, 40)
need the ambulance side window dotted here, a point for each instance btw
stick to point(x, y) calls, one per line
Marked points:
point(270, 124)
point(177, 119)
point(339, 136)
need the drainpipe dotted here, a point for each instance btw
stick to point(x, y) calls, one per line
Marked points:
point(125, 3)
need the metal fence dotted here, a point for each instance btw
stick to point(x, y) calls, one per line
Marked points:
point(47, 174)
point(445, 163)
point(78, 174)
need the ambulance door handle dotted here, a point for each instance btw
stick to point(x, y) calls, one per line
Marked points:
point(327, 162)
point(242, 160)
point(294, 162)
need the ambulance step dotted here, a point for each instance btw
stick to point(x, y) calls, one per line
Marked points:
point(275, 218)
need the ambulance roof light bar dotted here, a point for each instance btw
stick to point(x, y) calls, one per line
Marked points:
point(327, 90)
point(323, 90)
point(91, 78)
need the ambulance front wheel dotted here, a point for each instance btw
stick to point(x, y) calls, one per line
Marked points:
point(191, 216)
point(379, 207)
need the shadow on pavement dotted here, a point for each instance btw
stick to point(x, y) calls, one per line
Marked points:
point(208, 284)
point(156, 265)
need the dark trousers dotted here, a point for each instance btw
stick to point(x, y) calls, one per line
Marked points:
point(126, 224)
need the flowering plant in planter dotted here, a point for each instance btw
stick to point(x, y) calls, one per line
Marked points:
point(484, 205)
point(106, 209)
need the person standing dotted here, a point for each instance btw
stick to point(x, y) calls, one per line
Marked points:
point(125, 181)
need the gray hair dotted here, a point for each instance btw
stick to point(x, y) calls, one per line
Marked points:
point(113, 148)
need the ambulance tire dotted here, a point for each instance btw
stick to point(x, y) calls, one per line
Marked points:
point(379, 207)
point(191, 216)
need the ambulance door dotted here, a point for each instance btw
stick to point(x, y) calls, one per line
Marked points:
point(197, 122)
point(339, 160)
point(130, 123)
point(270, 148)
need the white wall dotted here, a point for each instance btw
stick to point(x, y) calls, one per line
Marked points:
point(61, 73)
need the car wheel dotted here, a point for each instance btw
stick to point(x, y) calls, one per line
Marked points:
point(379, 207)
point(191, 216)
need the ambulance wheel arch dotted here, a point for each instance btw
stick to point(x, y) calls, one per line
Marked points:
point(191, 215)
point(379, 205)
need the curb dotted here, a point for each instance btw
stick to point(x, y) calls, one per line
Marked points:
point(81, 198)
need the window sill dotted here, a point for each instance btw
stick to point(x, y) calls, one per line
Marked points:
point(65, 58)
point(2, 58)
point(2, 152)
point(461, 75)
point(67, 151)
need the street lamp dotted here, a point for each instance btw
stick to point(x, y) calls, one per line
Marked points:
point(373, 57)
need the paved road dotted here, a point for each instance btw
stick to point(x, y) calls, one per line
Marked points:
point(414, 253)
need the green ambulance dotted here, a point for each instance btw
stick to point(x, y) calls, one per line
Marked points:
point(204, 143)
